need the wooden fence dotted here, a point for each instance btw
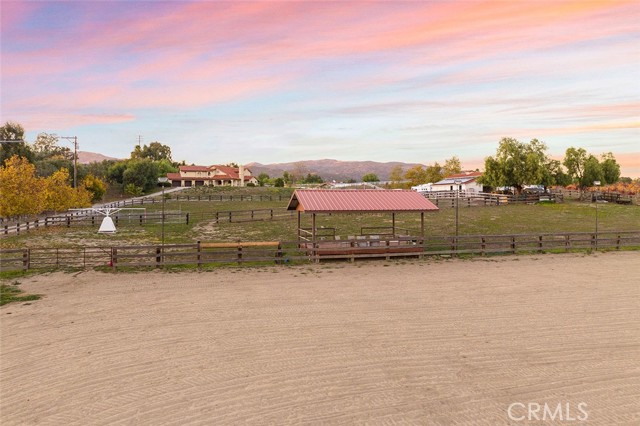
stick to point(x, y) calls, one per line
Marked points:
point(611, 197)
point(178, 197)
point(238, 216)
point(202, 253)
point(444, 199)
point(95, 220)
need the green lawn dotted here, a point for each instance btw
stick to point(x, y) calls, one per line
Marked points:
point(570, 216)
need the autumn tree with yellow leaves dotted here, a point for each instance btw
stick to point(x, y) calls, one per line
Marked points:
point(23, 193)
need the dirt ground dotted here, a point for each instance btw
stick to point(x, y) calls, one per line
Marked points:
point(407, 342)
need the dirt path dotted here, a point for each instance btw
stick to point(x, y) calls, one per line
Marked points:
point(416, 342)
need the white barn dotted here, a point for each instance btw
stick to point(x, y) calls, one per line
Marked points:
point(467, 182)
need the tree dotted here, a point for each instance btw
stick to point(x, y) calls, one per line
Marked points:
point(133, 190)
point(142, 173)
point(416, 175)
point(312, 178)
point(434, 173)
point(21, 189)
point(451, 167)
point(155, 151)
point(592, 172)
point(515, 164)
point(95, 186)
point(278, 183)
point(58, 195)
point(610, 168)
point(396, 173)
point(370, 177)
point(115, 172)
point(263, 178)
point(585, 168)
point(574, 161)
point(12, 131)
point(553, 174)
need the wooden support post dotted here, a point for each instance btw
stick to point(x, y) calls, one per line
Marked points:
point(187, 218)
point(567, 243)
point(618, 243)
point(393, 223)
point(114, 257)
point(6, 230)
point(158, 257)
point(230, 217)
point(26, 259)
point(68, 221)
point(199, 249)
point(239, 254)
point(298, 226)
point(140, 219)
point(93, 220)
point(483, 246)
point(513, 245)
point(313, 237)
point(540, 244)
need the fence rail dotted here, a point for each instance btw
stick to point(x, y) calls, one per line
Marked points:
point(94, 220)
point(237, 216)
point(468, 199)
point(202, 254)
point(178, 197)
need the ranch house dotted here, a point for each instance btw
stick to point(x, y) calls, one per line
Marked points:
point(212, 176)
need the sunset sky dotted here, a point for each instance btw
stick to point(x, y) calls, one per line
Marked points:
point(287, 81)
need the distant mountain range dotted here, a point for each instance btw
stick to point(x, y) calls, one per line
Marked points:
point(331, 169)
point(327, 169)
point(85, 157)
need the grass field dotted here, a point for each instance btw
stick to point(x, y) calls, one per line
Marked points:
point(570, 216)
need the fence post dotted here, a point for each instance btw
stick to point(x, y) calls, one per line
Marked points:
point(17, 228)
point(116, 220)
point(36, 223)
point(158, 256)
point(140, 219)
point(93, 220)
point(239, 254)
point(513, 245)
point(199, 255)
point(68, 221)
point(567, 242)
point(230, 217)
point(483, 246)
point(26, 259)
point(594, 241)
point(618, 243)
point(271, 211)
point(114, 257)
point(540, 243)
point(187, 218)
point(6, 230)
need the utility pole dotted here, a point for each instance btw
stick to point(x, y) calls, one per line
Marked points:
point(74, 139)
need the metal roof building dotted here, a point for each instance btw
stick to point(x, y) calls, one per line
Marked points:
point(358, 201)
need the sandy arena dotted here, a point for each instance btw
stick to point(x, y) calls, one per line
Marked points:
point(435, 342)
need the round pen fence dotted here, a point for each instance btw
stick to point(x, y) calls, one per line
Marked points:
point(202, 254)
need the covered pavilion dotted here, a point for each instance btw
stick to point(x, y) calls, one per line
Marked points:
point(357, 201)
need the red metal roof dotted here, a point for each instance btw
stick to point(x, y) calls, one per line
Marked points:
point(332, 200)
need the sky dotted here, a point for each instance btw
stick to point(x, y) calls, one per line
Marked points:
point(267, 81)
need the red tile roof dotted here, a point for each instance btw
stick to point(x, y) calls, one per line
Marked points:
point(173, 176)
point(332, 200)
point(194, 169)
